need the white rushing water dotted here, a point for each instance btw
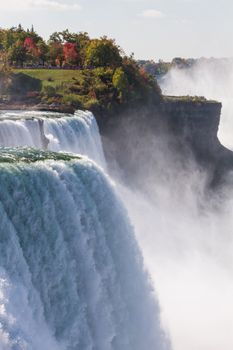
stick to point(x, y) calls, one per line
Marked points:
point(71, 273)
point(76, 133)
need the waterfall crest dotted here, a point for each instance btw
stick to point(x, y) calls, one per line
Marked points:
point(76, 133)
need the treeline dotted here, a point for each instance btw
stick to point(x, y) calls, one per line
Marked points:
point(25, 48)
point(160, 68)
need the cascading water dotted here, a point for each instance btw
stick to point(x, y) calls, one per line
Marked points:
point(76, 133)
point(71, 274)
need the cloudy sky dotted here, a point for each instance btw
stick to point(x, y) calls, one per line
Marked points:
point(152, 29)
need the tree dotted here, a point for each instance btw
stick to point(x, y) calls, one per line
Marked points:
point(17, 54)
point(55, 53)
point(120, 82)
point(56, 37)
point(30, 45)
point(42, 51)
point(81, 40)
point(70, 53)
point(32, 50)
point(15, 42)
point(8, 39)
point(102, 53)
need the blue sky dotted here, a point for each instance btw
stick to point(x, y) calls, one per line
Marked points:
point(152, 29)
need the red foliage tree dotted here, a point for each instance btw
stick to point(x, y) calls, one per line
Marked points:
point(70, 53)
point(31, 47)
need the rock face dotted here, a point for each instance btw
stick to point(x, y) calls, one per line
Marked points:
point(177, 129)
point(196, 124)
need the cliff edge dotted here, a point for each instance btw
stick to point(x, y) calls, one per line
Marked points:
point(178, 129)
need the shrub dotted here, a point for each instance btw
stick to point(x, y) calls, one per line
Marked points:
point(73, 100)
point(49, 91)
point(92, 104)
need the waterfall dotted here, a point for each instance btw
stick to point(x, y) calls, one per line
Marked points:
point(76, 133)
point(71, 273)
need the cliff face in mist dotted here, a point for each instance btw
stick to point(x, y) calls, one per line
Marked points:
point(195, 123)
point(175, 131)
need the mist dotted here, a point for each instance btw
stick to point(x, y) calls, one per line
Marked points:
point(187, 244)
point(184, 229)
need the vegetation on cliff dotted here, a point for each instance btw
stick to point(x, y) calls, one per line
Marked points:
point(189, 99)
point(71, 70)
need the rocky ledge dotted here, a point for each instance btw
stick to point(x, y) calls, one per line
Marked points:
point(177, 128)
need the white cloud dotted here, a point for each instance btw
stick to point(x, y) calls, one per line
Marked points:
point(152, 13)
point(17, 5)
point(55, 5)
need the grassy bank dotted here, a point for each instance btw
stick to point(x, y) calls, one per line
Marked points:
point(51, 77)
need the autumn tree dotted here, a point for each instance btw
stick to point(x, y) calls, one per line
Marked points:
point(81, 41)
point(31, 49)
point(18, 45)
point(70, 53)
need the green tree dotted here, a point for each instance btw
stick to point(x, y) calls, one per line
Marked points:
point(17, 54)
point(121, 83)
point(56, 37)
point(82, 41)
point(55, 54)
point(43, 50)
point(103, 53)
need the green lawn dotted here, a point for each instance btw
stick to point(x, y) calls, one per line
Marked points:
point(86, 89)
point(52, 77)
